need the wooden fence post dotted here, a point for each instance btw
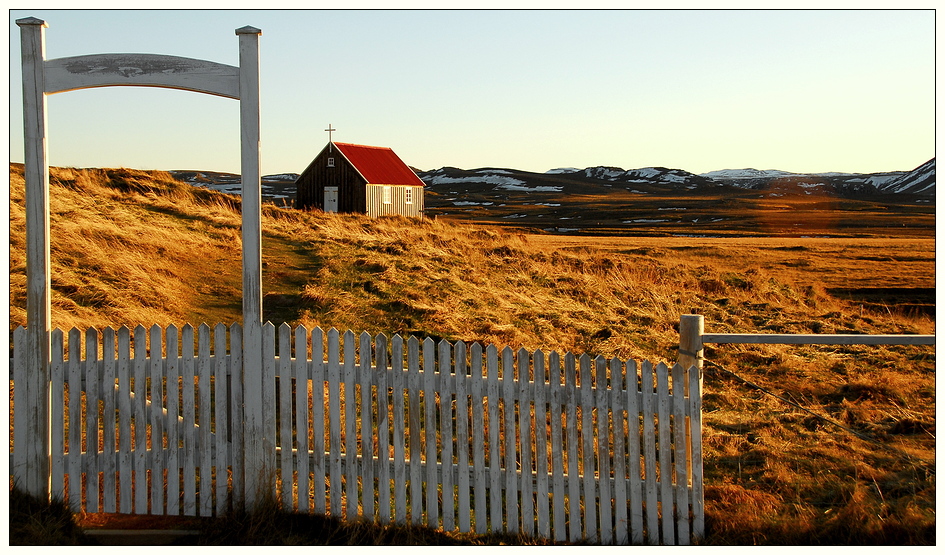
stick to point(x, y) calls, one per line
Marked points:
point(691, 330)
point(257, 424)
point(35, 479)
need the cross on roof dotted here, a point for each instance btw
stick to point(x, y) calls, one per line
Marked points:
point(330, 129)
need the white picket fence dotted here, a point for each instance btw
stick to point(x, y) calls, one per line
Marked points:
point(446, 435)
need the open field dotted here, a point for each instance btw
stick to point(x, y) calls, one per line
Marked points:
point(133, 247)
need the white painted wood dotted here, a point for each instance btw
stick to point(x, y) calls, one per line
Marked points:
point(382, 381)
point(319, 430)
point(479, 477)
point(649, 455)
point(525, 447)
point(414, 384)
point(575, 532)
point(509, 440)
point(285, 416)
point(334, 415)
point(189, 432)
point(588, 468)
point(557, 459)
point(496, 523)
point(398, 384)
point(34, 475)
point(664, 410)
point(300, 375)
point(633, 453)
point(220, 428)
point(156, 464)
point(21, 400)
point(172, 375)
point(93, 384)
point(269, 470)
point(125, 415)
point(445, 428)
point(604, 497)
point(680, 455)
point(541, 445)
point(695, 433)
point(621, 518)
point(462, 438)
point(141, 70)
point(367, 428)
point(204, 422)
point(75, 420)
point(351, 458)
point(259, 461)
point(109, 489)
point(57, 416)
point(237, 443)
point(814, 339)
point(432, 508)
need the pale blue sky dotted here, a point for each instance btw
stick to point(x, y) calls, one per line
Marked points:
point(801, 91)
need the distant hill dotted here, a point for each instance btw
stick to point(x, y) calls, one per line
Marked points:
point(612, 200)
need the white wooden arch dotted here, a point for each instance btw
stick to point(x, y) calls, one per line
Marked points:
point(43, 77)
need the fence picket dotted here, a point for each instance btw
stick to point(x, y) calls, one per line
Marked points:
point(220, 428)
point(285, 414)
point(93, 383)
point(479, 478)
point(300, 375)
point(665, 455)
point(367, 429)
point(462, 437)
point(446, 434)
point(574, 486)
point(57, 415)
point(649, 455)
point(319, 467)
point(382, 379)
point(124, 420)
point(22, 404)
point(400, 470)
point(172, 375)
point(75, 420)
point(525, 443)
point(603, 452)
point(109, 491)
point(413, 382)
point(557, 448)
point(633, 453)
point(189, 404)
point(334, 415)
point(351, 440)
point(495, 473)
point(587, 449)
point(619, 448)
point(594, 485)
point(204, 423)
point(679, 445)
point(541, 445)
point(432, 512)
point(509, 441)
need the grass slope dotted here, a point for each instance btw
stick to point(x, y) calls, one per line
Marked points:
point(132, 247)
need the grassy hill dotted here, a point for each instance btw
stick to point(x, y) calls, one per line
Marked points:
point(132, 247)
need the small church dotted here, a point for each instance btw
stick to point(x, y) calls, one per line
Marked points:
point(351, 178)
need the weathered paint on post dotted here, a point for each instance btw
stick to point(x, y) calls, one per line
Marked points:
point(35, 477)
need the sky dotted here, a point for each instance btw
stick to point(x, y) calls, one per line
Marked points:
point(803, 91)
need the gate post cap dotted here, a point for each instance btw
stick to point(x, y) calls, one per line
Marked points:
point(248, 30)
point(31, 21)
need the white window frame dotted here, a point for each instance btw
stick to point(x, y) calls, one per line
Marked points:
point(408, 195)
point(331, 162)
point(386, 194)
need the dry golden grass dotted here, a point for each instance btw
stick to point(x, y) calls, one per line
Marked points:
point(135, 247)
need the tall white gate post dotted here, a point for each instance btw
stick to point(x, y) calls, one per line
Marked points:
point(34, 478)
point(259, 430)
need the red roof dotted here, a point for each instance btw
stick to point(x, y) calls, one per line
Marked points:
point(379, 165)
